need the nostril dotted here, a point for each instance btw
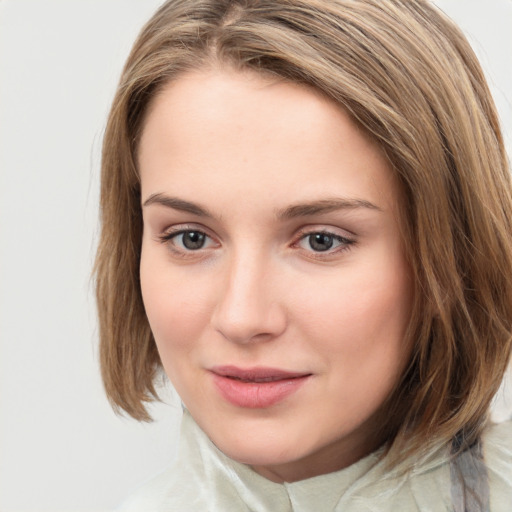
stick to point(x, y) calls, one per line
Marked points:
point(264, 336)
point(252, 330)
point(246, 310)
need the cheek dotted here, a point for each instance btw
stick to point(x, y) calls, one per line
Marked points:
point(176, 308)
point(360, 317)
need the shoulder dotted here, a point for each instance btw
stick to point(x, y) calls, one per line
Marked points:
point(497, 446)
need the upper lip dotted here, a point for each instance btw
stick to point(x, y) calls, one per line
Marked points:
point(257, 374)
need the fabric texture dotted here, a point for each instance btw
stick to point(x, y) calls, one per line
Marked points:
point(469, 480)
point(203, 479)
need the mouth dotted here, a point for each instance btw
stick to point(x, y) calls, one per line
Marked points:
point(256, 387)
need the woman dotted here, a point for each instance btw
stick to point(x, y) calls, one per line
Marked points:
point(306, 222)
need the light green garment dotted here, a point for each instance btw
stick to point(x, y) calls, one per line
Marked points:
point(203, 479)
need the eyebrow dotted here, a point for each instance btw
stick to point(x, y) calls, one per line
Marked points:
point(177, 204)
point(324, 206)
point(291, 212)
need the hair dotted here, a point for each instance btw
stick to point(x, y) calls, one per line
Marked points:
point(407, 75)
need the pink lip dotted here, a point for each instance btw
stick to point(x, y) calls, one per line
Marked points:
point(256, 388)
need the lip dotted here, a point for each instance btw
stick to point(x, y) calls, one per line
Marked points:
point(258, 387)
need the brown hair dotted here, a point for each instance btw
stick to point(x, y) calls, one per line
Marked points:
point(408, 76)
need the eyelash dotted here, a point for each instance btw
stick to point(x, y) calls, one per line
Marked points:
point(167, 237)
point(345, 243)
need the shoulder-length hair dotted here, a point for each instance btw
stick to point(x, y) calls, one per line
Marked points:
point(407, 76)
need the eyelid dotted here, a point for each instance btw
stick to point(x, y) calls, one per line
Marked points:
point(347, 240)
point(323, 228)
point(175, 229)
point(167, 235)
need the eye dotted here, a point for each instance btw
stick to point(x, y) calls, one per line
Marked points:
point(323, 241)
point(191, 240)
point(187, 240)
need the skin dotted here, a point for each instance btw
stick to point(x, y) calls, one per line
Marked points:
point(259, 292)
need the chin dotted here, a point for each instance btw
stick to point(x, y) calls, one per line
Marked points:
point(255, 447)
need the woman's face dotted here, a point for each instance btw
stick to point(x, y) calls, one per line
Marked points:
point(272, 269)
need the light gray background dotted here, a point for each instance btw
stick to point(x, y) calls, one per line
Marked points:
point(61, 447)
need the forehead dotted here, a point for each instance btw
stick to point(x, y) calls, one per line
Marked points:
point(249, 134)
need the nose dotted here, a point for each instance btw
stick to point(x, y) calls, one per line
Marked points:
point(249, 307)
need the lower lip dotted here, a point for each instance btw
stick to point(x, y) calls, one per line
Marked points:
point(257, 395)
